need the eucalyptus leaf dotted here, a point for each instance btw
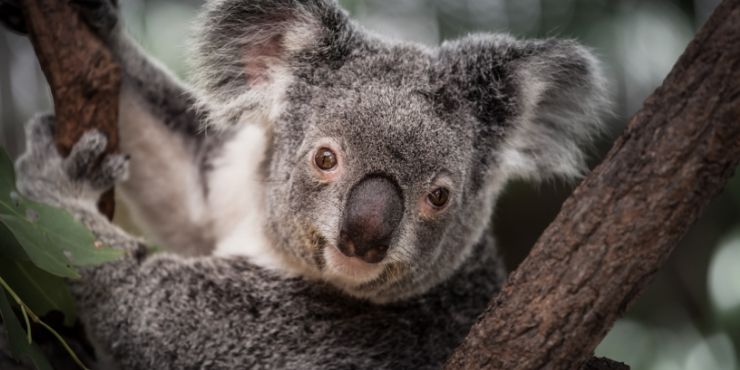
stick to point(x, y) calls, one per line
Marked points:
point(69, 236)
point(19, 347)
point(37, 246)
point(9, 247)
point(40, 290)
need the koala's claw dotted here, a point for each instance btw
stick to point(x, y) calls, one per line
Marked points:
point(84, 155)
point(114, 169)
point(83, 162)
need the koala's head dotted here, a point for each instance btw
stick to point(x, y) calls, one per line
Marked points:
point(385, 158)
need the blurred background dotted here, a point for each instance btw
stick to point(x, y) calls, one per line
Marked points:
point(689, 318)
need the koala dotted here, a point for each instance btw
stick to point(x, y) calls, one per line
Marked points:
point(324, 193)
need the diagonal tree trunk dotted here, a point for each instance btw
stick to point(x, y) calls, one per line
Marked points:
point(621, 223)
point(84, 79)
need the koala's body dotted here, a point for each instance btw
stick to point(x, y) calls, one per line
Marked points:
point(326, 194)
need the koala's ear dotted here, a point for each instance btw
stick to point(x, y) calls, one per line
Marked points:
point(537, 103)
point(247, 51)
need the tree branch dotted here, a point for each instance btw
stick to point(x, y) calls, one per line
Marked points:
point(84, 79)
point(621, 223)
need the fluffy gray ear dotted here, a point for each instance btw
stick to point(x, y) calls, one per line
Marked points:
point(247, 52)
point(537, 102)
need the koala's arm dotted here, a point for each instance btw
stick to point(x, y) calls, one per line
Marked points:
point(127, 304)
point(115, 297)
point(161, 131)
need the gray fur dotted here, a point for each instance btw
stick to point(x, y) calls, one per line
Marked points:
point(470, 115)
point(170, 312)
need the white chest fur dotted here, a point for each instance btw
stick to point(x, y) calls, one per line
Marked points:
point(236, 199)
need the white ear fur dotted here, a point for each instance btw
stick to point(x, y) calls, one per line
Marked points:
point(243, 67)
point(562, 110)
point(554, 98)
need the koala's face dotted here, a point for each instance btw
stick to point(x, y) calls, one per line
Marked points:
point(369, 186)
point(385, 159)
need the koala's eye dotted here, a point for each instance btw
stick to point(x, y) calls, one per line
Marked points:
point(438, 197)
point(325, 159)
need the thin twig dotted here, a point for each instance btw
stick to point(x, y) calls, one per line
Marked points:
point(27, 311)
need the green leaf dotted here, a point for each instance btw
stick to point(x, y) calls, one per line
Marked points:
point(7, 176)
point(19, 346)
point(9, 247)
point(69, 236)
point(40, 290)
point(38, 247)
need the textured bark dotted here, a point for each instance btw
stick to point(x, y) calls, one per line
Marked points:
point(622, 221)
point(82, 74)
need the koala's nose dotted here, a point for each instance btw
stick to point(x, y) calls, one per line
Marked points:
point(374, 209)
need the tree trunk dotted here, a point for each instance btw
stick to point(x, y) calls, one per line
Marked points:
point(621, 223)
point(84, 79)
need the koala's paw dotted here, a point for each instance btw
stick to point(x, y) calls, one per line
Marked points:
point(102, 15)
point(79, 178)
point(82, 163)
point(11, 15)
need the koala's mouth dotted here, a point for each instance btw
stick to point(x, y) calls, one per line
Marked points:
point(349, 269)
point(351, 274)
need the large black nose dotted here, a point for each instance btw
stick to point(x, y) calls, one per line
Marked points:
point(374, 209)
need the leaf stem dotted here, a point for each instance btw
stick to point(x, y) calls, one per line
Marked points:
point(28, 324)
point(10, 291)
point(27, 312)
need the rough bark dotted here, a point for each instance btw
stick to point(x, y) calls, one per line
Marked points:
point(83, 76)
point(623, 220)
